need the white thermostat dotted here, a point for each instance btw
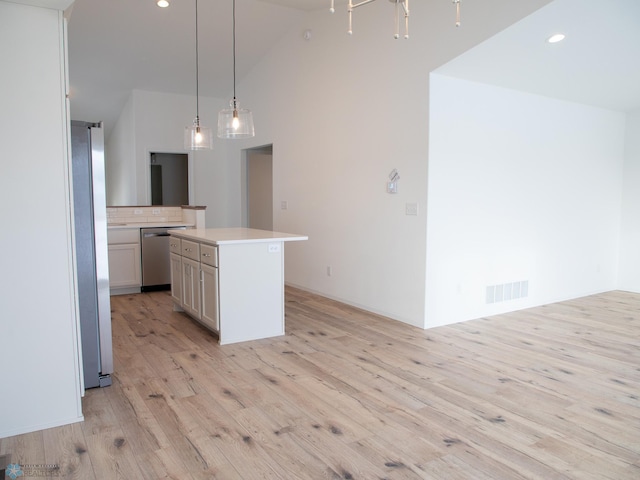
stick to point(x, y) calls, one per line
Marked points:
point(392, 184)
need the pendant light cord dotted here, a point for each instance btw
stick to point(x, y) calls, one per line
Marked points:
point(197, 70)
point(234, 53)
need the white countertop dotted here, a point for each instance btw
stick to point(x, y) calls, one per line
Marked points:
point(119, 226)
point(222, 236)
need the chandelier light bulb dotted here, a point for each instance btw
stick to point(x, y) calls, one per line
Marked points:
point(235, 123)
point(198, 137)
point(401, 8)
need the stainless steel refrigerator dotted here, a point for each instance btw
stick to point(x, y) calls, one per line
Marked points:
point(90, 221)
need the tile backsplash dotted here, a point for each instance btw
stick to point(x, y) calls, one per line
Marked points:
point(144, 214)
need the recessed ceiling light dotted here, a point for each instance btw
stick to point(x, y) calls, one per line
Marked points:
point(555, 38)
point(162, 3)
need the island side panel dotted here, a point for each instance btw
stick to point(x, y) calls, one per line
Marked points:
point(251, 285)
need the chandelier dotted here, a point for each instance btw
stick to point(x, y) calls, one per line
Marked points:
point(401, 8)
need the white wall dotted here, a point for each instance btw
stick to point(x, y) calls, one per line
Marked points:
point(341, 112)
point(120, 166)
point(630, 236)
point(40, 373)
point(521, 187)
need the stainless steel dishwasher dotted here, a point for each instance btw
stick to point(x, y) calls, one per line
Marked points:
point(156, 267)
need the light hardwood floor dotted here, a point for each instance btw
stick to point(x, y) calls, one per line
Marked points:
point(549, 393)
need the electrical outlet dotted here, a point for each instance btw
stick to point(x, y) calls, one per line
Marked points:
point(155, 211)
point(329, 271)
point(274, 247)
point(284, 205)
point(137, 211)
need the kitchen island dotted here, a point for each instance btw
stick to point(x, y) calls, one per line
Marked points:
point(231, 280)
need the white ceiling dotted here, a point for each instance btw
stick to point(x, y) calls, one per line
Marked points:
point(116, 46)
point(598, 63)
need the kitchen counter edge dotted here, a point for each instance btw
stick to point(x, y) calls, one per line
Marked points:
point(120, 226)
point(228, 236)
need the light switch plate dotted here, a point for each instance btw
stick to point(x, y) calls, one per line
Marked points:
point(411, 209)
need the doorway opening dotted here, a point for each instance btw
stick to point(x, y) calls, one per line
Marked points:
point(169, 178)
point(259, 187)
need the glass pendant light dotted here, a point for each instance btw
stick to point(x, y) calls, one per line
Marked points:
point(197, 137)
point(235, 122)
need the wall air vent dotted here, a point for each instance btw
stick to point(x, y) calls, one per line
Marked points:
point(507, 291)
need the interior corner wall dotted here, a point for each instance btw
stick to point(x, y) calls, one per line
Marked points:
point(120, 164)
point(630, 232)
point(342, 112)
point(521, 188)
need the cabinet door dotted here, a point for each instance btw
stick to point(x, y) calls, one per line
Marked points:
point(124, 265)
point(176, 278)
point(191, 287)
point(210, 310)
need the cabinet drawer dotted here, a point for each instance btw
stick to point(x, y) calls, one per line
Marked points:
point(174, 245)
point(123, 235)
point(190, 249)
point(209, 255)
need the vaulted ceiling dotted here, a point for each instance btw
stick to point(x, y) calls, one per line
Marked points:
point(116, 46)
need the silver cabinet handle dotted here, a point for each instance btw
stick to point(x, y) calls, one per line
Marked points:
point(206, 254)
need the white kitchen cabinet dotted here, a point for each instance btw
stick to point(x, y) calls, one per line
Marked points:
point(191, 297)
point(194, 280)
point(124, 266)
point(176, 278)
point(241, 281)
point(125, 271)
point(210, 311)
